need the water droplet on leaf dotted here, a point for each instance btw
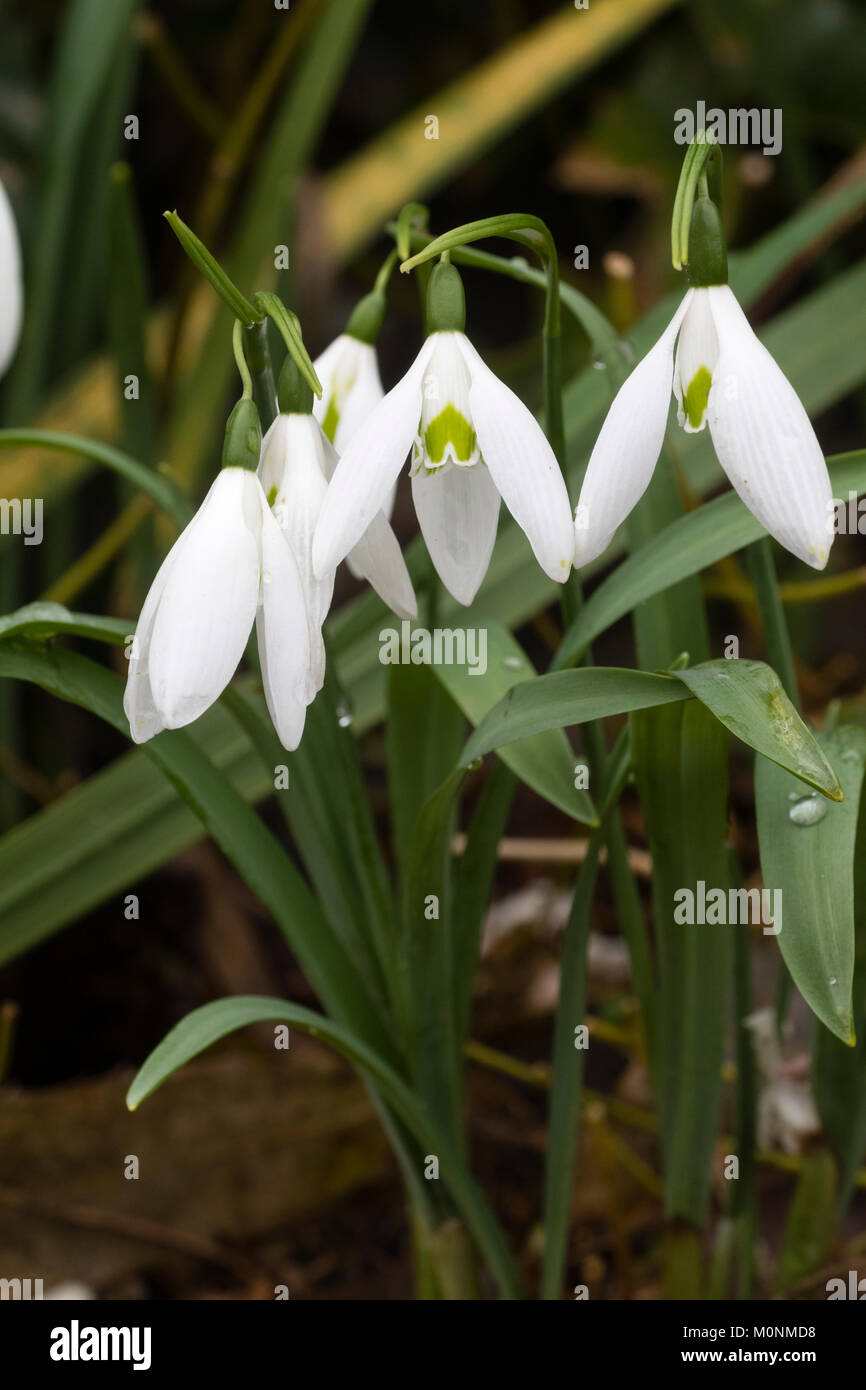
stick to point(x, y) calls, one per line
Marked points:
point(808, 810)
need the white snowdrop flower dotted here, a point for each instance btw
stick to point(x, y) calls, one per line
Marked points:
point(296, 464)
point(472, 441)
point(724, 377)
point(11, 288)
point(229, 568)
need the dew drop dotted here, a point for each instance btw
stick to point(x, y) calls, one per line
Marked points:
point(808, 810)
point(598, 363)
point(345, 713)
point(514, 663)
point(267, 577)
point(833, 980)
point(474, 765)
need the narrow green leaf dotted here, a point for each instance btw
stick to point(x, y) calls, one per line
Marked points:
point(423, 733)
point(568, 697)
point(236, 829)
point(809, 1231)
point(807, 854)
point(207, 1025)
point(42, 619)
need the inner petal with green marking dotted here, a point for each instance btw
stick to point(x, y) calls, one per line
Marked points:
point(696, 396)
point(449, 433)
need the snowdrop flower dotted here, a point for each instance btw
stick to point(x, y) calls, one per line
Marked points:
point(722, 376)
point(230, 567)
point(351, 385)
point(11, 291)
point(296, 464)
point(473, 442)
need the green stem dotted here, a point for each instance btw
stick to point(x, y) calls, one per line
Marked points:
point(258, 356)
point(763, 573)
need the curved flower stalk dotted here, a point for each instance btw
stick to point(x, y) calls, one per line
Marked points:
point(297, 461)
point(11, 289)
point(473, 443)
point(724, 377)
point(229, 568)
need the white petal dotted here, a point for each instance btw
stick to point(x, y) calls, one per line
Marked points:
point(378, 558)
point(628, 446)
point(11, 288)
point(458, 510)
point(283, 631)
point(293, 476)
point(349, 373)
point(697, 354)
point(145, 720)
point(209, 600)
point(765, 441)
point(522, 466)
point(369, 468)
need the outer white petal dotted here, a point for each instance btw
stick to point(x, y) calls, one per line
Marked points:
point(209, 600)
point(377, 558)
point(283, 631)
point(764, 439)
point(458, 511)
point(522, 466)
point(293, 464)
point(628, 446)
point(145, 720)
point(369, 468)
point(11, 289)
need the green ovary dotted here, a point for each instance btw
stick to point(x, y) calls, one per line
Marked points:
point(449, 427)
point(695, 399)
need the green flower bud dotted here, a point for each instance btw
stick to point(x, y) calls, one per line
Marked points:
point(243, 439)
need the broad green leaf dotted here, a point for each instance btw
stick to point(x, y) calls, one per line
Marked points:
point(545, 761)
point(207, 1025)
point(747, 697)
point(691, 543)
point(564, 698)
point(807, 854)
point(839, 1071)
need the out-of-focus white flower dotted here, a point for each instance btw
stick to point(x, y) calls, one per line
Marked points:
point(473, 442)
point(351, 388)
point(11, 288)
point(230, 567)
point(725, 377)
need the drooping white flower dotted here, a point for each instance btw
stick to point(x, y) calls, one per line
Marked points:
point(11, 288)
point(296, 463)
point(722, 376)
point(229, 568)
point(473, 442)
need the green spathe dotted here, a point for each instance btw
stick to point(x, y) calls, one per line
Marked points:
point(243, 439)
